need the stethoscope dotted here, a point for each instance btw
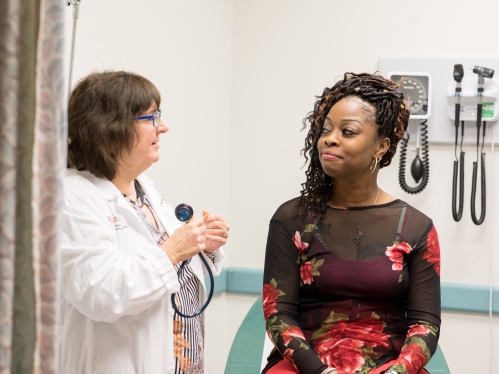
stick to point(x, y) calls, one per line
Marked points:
point(184, 213)
point(482, 73)
point(457, 213)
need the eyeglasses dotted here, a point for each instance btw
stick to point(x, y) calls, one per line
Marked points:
point(156, 118)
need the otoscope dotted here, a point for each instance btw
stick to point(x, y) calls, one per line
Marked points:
point(482, 73)
point(458, 213)
point(184, 213)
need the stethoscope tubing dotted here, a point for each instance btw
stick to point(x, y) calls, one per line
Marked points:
point(210, 295)
point(184, 213)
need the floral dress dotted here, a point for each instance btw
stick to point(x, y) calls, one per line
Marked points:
point(354, 291)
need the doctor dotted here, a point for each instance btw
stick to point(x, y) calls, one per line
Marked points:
point(122, 245)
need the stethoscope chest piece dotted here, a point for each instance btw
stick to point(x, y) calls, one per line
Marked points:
point(184, 212)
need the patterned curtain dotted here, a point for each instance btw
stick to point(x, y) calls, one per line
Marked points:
point(32, 164)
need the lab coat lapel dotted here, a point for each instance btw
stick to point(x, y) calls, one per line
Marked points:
point(111, 193)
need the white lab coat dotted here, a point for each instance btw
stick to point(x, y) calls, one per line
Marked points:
point(116, 283)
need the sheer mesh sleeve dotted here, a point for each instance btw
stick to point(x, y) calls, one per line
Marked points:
point(280, 299)
point(423, 306)
point(356, 291)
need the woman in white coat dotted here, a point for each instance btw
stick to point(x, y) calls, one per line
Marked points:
point(122, 244)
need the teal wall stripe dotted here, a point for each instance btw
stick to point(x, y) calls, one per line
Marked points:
point(469, 298)
point(244, 280)
point(456, 297)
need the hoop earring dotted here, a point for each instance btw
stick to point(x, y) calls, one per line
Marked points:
point(374, 164)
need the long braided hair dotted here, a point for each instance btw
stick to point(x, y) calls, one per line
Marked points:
point(391, 117)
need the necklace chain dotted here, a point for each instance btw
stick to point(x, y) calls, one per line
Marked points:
point(133, 202)
point(359, 234)
point(139, 201)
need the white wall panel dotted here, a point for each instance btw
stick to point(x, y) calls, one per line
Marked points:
point(237, 78)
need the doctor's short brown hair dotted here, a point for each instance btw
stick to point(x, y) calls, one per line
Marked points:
point(102, 112)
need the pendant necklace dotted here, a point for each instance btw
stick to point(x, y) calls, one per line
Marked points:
point(358, 236)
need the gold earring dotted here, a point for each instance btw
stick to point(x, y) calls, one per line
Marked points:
point(374, 163)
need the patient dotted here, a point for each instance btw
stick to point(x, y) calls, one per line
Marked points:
point(352, 274)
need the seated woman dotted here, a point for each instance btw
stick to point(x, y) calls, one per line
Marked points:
point(122, 244)
point(352, 274)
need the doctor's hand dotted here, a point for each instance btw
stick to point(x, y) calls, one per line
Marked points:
point(217, 231)
point(186, 241)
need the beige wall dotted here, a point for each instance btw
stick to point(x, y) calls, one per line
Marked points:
point(284, 53)
point(237, 77)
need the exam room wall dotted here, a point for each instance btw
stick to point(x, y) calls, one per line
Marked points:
point(287, 51)
point(238, 76)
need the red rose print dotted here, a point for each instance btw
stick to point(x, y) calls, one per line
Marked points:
point(345, 354)
point(269, 297)
point(368, 330)
point(287, 356)
point(291, 332)
point(306, 272)
point(433, 250)
point(418, 330)
point(412, 358)
point(396, 254)
point(298, 243)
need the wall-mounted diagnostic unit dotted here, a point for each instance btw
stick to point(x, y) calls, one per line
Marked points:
point(469, 95)
point(416, 87)
point(462, 97)
point(475, 101)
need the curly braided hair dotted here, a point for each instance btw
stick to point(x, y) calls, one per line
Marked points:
point(391, 117)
